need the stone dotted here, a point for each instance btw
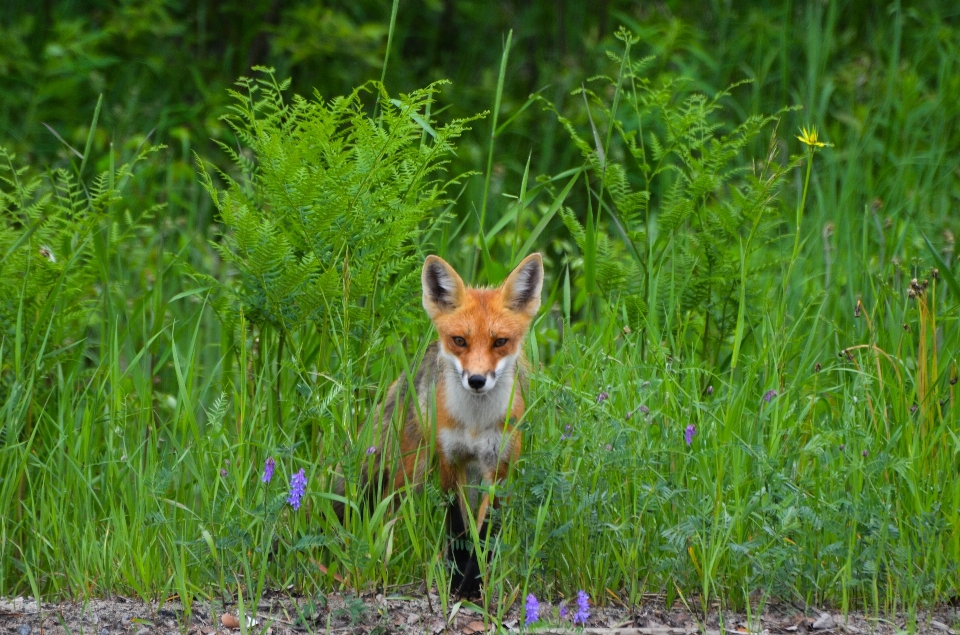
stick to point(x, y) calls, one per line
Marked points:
point(824, 623)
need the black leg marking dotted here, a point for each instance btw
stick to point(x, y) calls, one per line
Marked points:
point(465, 580)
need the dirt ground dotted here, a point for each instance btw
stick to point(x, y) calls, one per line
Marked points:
point(422, 614)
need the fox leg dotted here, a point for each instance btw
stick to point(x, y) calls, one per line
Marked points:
point(465, 579)
point(454, 478)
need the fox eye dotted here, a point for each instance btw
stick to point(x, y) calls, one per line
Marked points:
point(459, 341)
point(500, 342)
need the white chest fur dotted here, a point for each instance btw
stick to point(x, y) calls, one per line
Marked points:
point(478, 431)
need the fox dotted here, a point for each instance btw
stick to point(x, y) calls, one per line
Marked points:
point(467, 395)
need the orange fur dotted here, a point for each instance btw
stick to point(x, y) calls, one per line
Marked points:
point(473, 374)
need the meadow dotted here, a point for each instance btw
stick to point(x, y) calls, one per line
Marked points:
point(743, 374)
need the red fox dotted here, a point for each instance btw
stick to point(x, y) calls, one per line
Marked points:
point(472, 377)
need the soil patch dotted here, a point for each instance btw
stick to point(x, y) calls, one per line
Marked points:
point(418, 613)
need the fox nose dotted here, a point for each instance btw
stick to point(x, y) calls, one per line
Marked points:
point(477, 381)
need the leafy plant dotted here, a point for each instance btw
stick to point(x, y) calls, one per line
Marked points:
point(325, 223)
point(53, 232)
point(688, 209)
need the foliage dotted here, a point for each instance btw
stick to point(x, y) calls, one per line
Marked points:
point(690, 210)
point(823, 467)
point(53, 230)
point(325, 222)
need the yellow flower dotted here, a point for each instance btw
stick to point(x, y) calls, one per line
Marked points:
point(810, 137)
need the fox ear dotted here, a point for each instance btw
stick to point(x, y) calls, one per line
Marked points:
point(521, 290)
point(443, 289)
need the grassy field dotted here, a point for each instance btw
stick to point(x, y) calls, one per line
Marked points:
point(743, 373)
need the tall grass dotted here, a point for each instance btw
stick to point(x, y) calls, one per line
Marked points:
point(824, 464)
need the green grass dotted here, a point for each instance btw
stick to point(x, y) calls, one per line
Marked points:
point(135, 421)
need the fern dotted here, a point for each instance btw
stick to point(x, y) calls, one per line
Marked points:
point(683, 198)
point(323, 225)
point(47, 268)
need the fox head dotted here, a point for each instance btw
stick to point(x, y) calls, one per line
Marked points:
point(481, 330)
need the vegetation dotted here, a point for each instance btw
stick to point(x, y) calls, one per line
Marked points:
point(743, 373)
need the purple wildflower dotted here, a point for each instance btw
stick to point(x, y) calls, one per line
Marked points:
point(532, 610)
point(268, 467)
point(644, 410)
point(688, 434)
point(603, 396)
point(371, 450)
point(563, 611)
point(769, 395)
point(223, 472)
point(583, 608)
point(865, 453)
point(298, 485)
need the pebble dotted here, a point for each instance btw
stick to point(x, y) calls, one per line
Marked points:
point(105, 631)
point(24, 629)
point(824, 622)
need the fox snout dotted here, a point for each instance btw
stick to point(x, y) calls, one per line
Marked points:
point(479, 382)
point(474, 377)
